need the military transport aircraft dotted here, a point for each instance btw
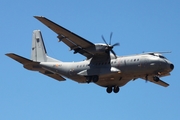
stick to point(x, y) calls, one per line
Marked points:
point(102, 66)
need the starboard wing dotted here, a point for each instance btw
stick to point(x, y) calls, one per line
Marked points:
point(75, 42)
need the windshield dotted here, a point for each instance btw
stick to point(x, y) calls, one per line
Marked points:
point(158, 55)
point(162, 57)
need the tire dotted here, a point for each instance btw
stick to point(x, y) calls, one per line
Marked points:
point(88, 79)
point(109, 89)
point(116, 89)
point(95, 78)
point(155, 78)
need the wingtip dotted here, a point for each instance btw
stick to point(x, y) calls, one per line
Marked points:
point(8, 54)
point(38, 17)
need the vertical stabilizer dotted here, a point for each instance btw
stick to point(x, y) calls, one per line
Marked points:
point(38, 51)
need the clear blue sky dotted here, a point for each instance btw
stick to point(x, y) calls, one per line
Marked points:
point(139, 25)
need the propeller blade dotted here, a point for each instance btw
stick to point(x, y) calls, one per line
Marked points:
point(110, 38)
point(109, 46)
point(116, 44)
point(114, 53)
point(104, 39)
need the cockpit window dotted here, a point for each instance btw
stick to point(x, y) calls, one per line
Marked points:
point(162, 57)
point(158, 55)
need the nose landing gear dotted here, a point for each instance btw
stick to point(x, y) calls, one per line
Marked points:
point(155, 78)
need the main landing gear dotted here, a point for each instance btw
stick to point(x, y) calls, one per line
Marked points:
point(155, 78)
point(115, 89)
point(94, 79)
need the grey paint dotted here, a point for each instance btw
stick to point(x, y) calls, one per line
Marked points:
point(111, 71)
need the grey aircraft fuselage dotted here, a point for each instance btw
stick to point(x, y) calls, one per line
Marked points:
point(101, 66)
point(131, 67)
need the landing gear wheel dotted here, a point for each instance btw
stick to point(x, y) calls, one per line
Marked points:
point(109, 89)
point(116, 89)
point(155, 78)
point(95, 78)
point(88, 79)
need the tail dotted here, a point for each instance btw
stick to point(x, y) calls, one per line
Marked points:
point(38, 51)
point(38, 55)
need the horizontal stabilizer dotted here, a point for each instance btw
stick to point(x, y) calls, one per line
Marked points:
point(31, 65)
point(18, 58)
point(28, 64)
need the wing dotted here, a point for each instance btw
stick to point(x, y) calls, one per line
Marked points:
point(160, 82)
point(31, 65)
point(75, 42)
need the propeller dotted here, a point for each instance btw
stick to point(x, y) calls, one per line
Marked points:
point(109, 46)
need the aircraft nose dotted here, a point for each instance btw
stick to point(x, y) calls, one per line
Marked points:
point(171, 66)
